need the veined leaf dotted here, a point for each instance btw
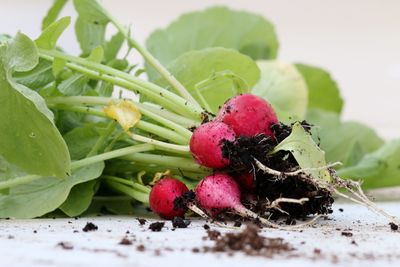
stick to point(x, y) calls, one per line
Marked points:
point(26, 122)
point(305, 151)
point(44, 195)
point(193, 68)
point(53, 13)
point(50, 35)
point(323, 92)
point(284, 88)
point(79, 198)
point(245, 32)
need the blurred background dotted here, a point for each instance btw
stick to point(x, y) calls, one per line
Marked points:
point(357, 41)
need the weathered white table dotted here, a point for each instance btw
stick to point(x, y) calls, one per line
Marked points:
point(36, 243)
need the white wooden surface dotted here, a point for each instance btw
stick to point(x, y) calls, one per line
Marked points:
point(376, 244)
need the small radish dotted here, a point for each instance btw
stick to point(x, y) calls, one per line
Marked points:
point(207, 141)
point(248, 115)
point(219, 192)
point(163, 195)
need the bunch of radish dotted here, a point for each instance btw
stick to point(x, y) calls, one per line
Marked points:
point(243, 115)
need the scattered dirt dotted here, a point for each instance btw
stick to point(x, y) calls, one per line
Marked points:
point(348, 234)
point(180, 203)
point(393, 226)
point(141, 248)
point(141, 221)
point(156, 226)
point(248, 241)
point(125, 241)
point(178, 222)
point(90, 227)
point(65, 245)
point(206, 227)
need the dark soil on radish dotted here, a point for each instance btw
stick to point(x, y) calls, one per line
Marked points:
point(267, 187)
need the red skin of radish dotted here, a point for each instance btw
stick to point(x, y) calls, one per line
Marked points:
point(248, 115)
point(246, 181)
point(163, 195)
point(218, 192)
point(206, 144)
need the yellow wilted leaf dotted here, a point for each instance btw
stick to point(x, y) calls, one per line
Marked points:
point(125, 112)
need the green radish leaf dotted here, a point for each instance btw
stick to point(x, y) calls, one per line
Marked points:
point(96, 55)
point(53, 13)
point(26, 122)
point(112, 47)
point(48, 38)
point(115, 205)
point(195, 67)
point(44, 195)
point(74, 85)
point(323, 92)
point(81, 140)
point(80, 198)
point(58, 66)
point(91, 25)
point(346, 142)
point(305, 151)
point(380, 168)
point(245, 32)
point(36, 78)
point(284, 88)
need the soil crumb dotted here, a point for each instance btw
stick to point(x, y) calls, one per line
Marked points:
point(141, 248)
point(141, 221)
point(248, 241)
point(393, 226)
point(156, 226)
point(90, 227)
point(125, 241)
point(178, 222)
point(348, 234)
point(65, 245)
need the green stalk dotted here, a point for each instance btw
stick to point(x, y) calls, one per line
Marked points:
point(89, 100)
point(139, 196)
point(81, 163)
point(150, 59)
point(136, 186)
point(141, 85)
point(102, 139)
point(160, 145)
point(185, 164)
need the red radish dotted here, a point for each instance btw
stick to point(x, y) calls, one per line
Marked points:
point(248, 115)
point(206, 144)
point(219, 192)
point(246, 181)
point(163, 195)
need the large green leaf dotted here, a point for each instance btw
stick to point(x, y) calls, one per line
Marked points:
point(203, 66)
point(44, 195)
point(346, 142)
point(323, 92)
point(377, 169)
point(284, 88)
point(81, 140)
point(80, 198)
point(305, 151)
point(246, 32)
point(38, 77)
point(28, 136)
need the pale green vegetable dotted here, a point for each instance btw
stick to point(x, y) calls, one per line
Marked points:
point(306, 152)
point(284, 88)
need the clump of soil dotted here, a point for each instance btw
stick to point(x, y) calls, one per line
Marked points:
point(242, 154)
point(90, 227)
point(178, 222)
point(125, 241)
point(141, 221)
point(156, 226)
point(393, 226)
point(65, 245)
point(180, 203)
point(248, 241)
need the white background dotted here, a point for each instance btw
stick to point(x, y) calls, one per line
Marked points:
point(358, 41)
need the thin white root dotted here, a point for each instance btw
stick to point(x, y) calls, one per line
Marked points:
point(201, 213)
point(275, 204)
point(242, 211)
point(268, 170)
